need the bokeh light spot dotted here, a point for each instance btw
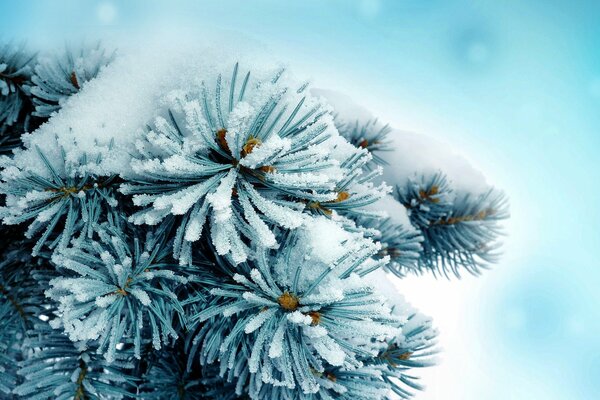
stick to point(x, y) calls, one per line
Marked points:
point(106, 12)
point(475, 49)
point(477, 53)
point(369, 8)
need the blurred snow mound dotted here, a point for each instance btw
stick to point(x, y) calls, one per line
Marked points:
point(413, 153)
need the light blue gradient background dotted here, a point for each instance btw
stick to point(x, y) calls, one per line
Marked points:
point(513, 85)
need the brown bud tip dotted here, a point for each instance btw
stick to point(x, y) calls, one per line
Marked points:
point(288, 301)
point(481, 215)
point(221, 139)
point(364, 144)
point(315, 316)
point(342, 196)
point(251, 143)
point(268, 169)
point(426, 195)
point(74, 81)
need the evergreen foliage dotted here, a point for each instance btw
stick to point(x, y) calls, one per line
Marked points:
point(15, 82)
point(55, 79)
point(460, 230)
point(167, 376)
point(57, 368)
point(401, 244)
point(113, 288)
point(293, 322)
point(244, 156)
point(15, 91)
point(59, 194)
point(370, 135)
point(230, 257)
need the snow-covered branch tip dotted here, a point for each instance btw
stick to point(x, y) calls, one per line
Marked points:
point(246, 155)
point(114, 289)
point(460, 230)
point(58, 196)
point(288, 323)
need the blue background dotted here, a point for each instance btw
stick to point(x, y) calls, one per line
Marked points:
point(513, 85)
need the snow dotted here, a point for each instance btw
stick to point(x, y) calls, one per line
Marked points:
point(276, 346)
point(263, 234)
point(283, 216)
point(258, 320)
point(221, 198)
point(141, 295)
point(297, 317)
point(326, 239)
point(421, 154)
point(345, 107)
point(330, 351)
point(265, 150)
point(393, 209)
point(383, 281)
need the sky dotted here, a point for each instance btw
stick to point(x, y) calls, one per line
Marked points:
point(514, 86)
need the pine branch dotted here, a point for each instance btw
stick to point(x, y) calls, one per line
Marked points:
point(244, 165)
point(61, 196)
point(55, 79)
point(57, 369)
point(402, 245)
point(460, 231)
point(22, 303)
point(370, 135)
point(324, 316)
point(15, 76)
point(111, 289)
